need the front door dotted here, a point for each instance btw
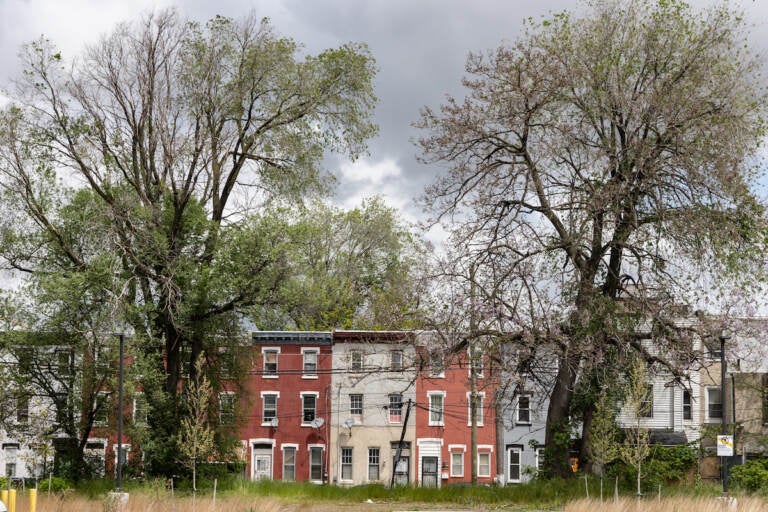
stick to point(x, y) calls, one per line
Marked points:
point(261, 463)
point(429, 471)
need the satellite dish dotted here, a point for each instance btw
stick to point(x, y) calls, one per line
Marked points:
point(317, 422)
point(349, 422)
point(273, 423)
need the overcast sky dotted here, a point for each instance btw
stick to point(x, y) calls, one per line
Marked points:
point(420, 47)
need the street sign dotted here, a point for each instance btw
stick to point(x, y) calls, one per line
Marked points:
point(725, 446)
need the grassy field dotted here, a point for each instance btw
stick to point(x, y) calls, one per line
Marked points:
point(269, 496)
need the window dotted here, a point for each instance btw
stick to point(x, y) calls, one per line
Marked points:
point(524, 409)
point(346, 463)
point(11, 450)
point(513, 459)
point(308, 407)
point(356, 406)
point(22, 409)
point(63, 362)
point(374, 458)
point(484, 464)
point(646, 405)
point(316, 463)
point(269, 409)
point(101, 409)
point(226, 408)
point(289, 463)
point(356, 361)
point(122, 457)
point(714, 403)
point(310, 362)
point(436, 365)
point(457, 463)
point(270, 362)
point(140, 407)
point(396, 360)
point(479, 399)
point(687, 410)
point(395, 408)
point(539, 458)
point(226, 362)
point(476, 360)
point(436, 399)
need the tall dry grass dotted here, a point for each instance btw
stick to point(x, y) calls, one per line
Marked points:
point(677, 504)
point(147, 503)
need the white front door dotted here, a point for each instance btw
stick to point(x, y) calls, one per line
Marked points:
point(261, 462)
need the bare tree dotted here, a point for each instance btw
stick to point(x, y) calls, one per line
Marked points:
point(603, 162)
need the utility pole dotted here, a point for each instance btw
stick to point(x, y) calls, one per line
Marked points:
point(400, 443)
point(120, 416)
point(724, 425)
point(473, 374)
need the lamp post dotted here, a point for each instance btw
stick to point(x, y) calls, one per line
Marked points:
point(724, 424)
point(120, 415)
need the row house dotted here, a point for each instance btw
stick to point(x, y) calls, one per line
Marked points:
point(286, 432)
point(373, 429)
point(444, 424)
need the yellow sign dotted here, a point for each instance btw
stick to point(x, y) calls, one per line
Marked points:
point(725, 446)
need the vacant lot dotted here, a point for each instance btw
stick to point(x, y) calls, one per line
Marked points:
point(166, 503)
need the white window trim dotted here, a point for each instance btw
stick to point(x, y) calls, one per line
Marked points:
point(264, 350)
point(302, 394)
point(389, 413)
point(352, 352)
point(451, 453)
point(538, 453)
point(530, 410)
point(126, 450)
point(357, 417)
point(234, 398)
point(295, 446)
point(432, 423)
point(482, 365)
point(309, 350)
point(481, 395)
point(441, 374)
point(135, 397)
point(519, 450)
point(277, 402)
point(490, 462)
point(391, 360)
point(322, 461)
point(97, 422)
point(351, 464)
point(706, 404)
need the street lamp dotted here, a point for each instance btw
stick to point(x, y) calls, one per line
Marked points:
point(723, 460)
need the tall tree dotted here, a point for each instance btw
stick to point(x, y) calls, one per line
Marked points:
point(358, 268)
point(177, 131)
point(604, 161)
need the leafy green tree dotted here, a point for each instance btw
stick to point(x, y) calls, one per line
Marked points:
point(347, 269)
point(636, 446)
point(605, 444)
point(598, 166)
point(169, 135)
point(196, 438)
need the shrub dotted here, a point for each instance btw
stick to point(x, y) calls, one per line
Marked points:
point(751, 476)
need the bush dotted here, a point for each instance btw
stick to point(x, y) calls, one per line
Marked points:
point(751, 476)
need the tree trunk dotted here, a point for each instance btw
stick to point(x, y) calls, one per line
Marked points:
point(586, 438)
point(558, 436)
